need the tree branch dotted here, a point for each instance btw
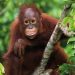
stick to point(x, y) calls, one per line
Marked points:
point(66, 32)
point(54, 38)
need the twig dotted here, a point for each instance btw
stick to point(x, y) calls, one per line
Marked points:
point(64, 29)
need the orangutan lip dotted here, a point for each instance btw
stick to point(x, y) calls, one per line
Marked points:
point(31, 32)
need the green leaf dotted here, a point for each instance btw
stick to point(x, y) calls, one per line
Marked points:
point(1, 69)
point(72, 39)
point(72, 59)
point(71, 22)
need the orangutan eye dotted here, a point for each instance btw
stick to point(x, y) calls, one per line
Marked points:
point(33, 21)
point(26, 22)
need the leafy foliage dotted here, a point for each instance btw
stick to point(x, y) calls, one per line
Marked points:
point(69, 69)
point(9, 9)
point(1, 69)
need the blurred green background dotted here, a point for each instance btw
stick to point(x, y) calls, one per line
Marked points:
point(9, 9)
